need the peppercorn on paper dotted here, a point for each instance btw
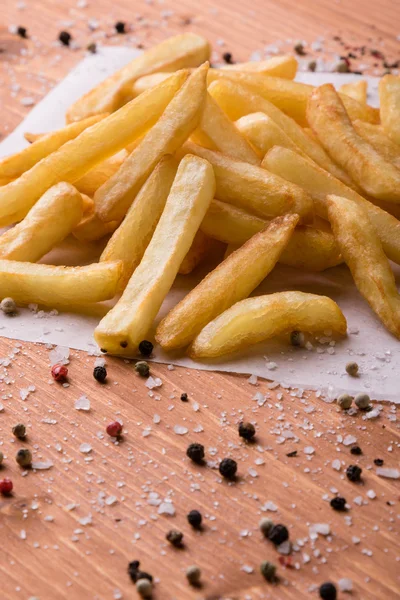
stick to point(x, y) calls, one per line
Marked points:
point(321, 365)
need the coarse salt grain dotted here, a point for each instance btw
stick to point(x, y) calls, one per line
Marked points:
point(320, 528)
point(83, 403)
point(166, 508)
point(85, 448)
point(153, 382)
point(388, 473)
point(180, 430)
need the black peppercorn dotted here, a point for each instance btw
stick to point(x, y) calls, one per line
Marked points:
point(195, 452)
point(338, 503)
point(135, 574)
point(195, 518)
point(291, 454)
point(174, 537)
point(65, 37)
point(145, 348)
point(142, 367)
point(378, 462)
point(278, 534)
point(228, 468)
point(299, 49)
point(227, 56)
point(120, 27)
point(327, 591)
point(22, 32)
point(184, 397)
point(19, 431)
point(355, 450)
point(247, 430)
point(353, 472)
point(100, 374)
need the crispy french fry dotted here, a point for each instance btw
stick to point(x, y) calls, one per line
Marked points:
point(13, 166)
point(355, 89)
point(231, 281)
point(91, 181)
point(33, 137)
point(363, 253)
point(178, 52)
point(308, 248)
point(319, 184)
point(52, 218)
point(257, 319)
point(92, 146)
point(180, 118)
point(49, 285)
point(251, 187)
point(147, 82)
point(130, 240)
point(129, 321)
point(217, 132)
point(87, 205)
point(91, 229)
point(202, 247)
point(291, 96)
point(264, 133)
point(376, 136)
point(277, 66)
point(237, 101)
point(389, 96)
point(329, 120)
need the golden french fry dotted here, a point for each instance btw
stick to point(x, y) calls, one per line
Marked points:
point(33, 137)
point(290, 96)
point(91, 229)
point(237, 101)
point(318, 183)
point(232, 280)
point(178, 52)
point(132, 237)
point(355, 89)
point(92, 146)
point(48, 222)
point(329, 120)
point(217, 132)
point(129, 321)
point(147, 82)
point(87, 205)
point(49, 285)
point(308, 248)
point(364, 255)
point(91, 181)
point(13, 166)
point(201, 248)
point(257, 319)
point(251, 187)
point(264, 133)
point(180, 118)
point(376, 136)
point(389, 97)
point(277, 66)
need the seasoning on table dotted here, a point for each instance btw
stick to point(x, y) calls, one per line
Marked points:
point(195, 452)
point(24, 457)
point(8, 306)
point(194, 518)
point(268, 570)
point(353, 473)
point(278, 534)
point(338, 503)
point(19, 431)
point(114, 429)
point(100, 374)
point(327, 591)
point(175, 537)
point(344, 401)
point(65, 37)
point(142, 367)
point(247, 430)
point(144, 588)
point(352, 369)
point(193, 574)
point(59, 372)
point(228, 468)
point(145, 348)
point(6, 486)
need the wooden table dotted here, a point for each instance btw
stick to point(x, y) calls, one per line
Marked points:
point(51, 550)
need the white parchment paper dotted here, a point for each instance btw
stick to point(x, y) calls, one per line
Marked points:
point(320, 367)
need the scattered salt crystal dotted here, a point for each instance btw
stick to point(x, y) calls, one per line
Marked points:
point(166, 508)
point(196, 407)
point(59, 355)
point(198, 428)
point(373, 414)
point(83, 403)
point(100, 362)
point(1, 407)
point(336, 464)
point(306, 558)
point(70, 507)
point(252, 472)
point(371, 494)
point(247, 569)
point(285, 548)
point(320, 528)
point(356, 540)
point(259, 461)
point(345, 585)
point(86, 520)
point(349, 440)
point(153, 382)
point(49, 518)
point(111, 500)
point(27, 101)
point(358, 500)
point(22, 534)
point(269, 506)
point(309, 450)
point(156, 419)
point(388, 473)
point(180, 429)
point(85, 448)
point(252, 380)
point(117, 595)
point(42, 465)
point(271, 366)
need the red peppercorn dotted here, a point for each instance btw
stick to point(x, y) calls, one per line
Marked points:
point(114, 429)
point(59, 372)
point(6, 486)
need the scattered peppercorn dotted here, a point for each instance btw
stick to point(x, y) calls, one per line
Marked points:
point(299, 49)
point(268, 570)
point(297, 338)
point(342, 67)
point(184, 397)
point(175, 537)
point(352, 369)
point(362, 401)
point(8, 306)
point(144, 588)
point(193, 575)
point(103, 350)
point(22, 32)
point(312, 65)
point(327, 591)
point(92, 48)
point(19, 431)
point(195, 452)
point(135, 574)
point(356, 450)
point(142, 367)
point(338, 503)
point(100, 374)
point(24, 457)
point(247, 431)
point(377, 461)
point(278, 534)
point(353, 473)
point(291, 454)
point(227, 56)
point(344, 401)
point(146, 348)
point(65, 37)
point(59, 372)
point(228, 468)
point(114, 429)
point(6, 486)
point(265, 526)
point(194, 518)
point(123, 344)
point(120, 27)
point(1, 457)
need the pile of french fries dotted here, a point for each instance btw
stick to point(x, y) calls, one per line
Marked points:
point(167, 159)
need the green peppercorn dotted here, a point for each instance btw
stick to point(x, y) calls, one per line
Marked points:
point(175, 537)
point(1, 457)
point(142, 367)
point(344, 401)
point(268, 570)
point(362, 401)
point(352, 369)
point(265, 526)
point(144, 588)
point(24, 457)
point(19, 431)
point(193, 575)
point(342, 67)
point(8, 306)
point(299, 49)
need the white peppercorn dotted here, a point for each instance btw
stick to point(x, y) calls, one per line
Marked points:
point(352, 369)
point(24, 457)
point(144, 588)
point(8, 306)
point(193, 574)
point(344, 401)
point(265, 526)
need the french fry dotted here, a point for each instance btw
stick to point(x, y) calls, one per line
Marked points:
point(91, 229)
point(48, 222)
point(258, 319)
point(355, 89)
point(217, 132)
point(376, 136)
point(251, 187)
point(49, 285)
point(129, 321)
point(290, 96)
point(308, 248)
point(232, 280)
point(363, 253)
point(329, 120)
point(277, 66)
point(264, 133)
point(389, 97)
point(147, 82)
point(91, 181)
point(202, 247)
point(180, 118)
point(132, 237)
point(33, 137)
point(319, 184)
point(237, 101)
point(178, 52)
point(13, 166)
point(92, 146)
point(87, 205)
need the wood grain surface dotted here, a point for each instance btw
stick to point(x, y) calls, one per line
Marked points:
point(49, 551)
